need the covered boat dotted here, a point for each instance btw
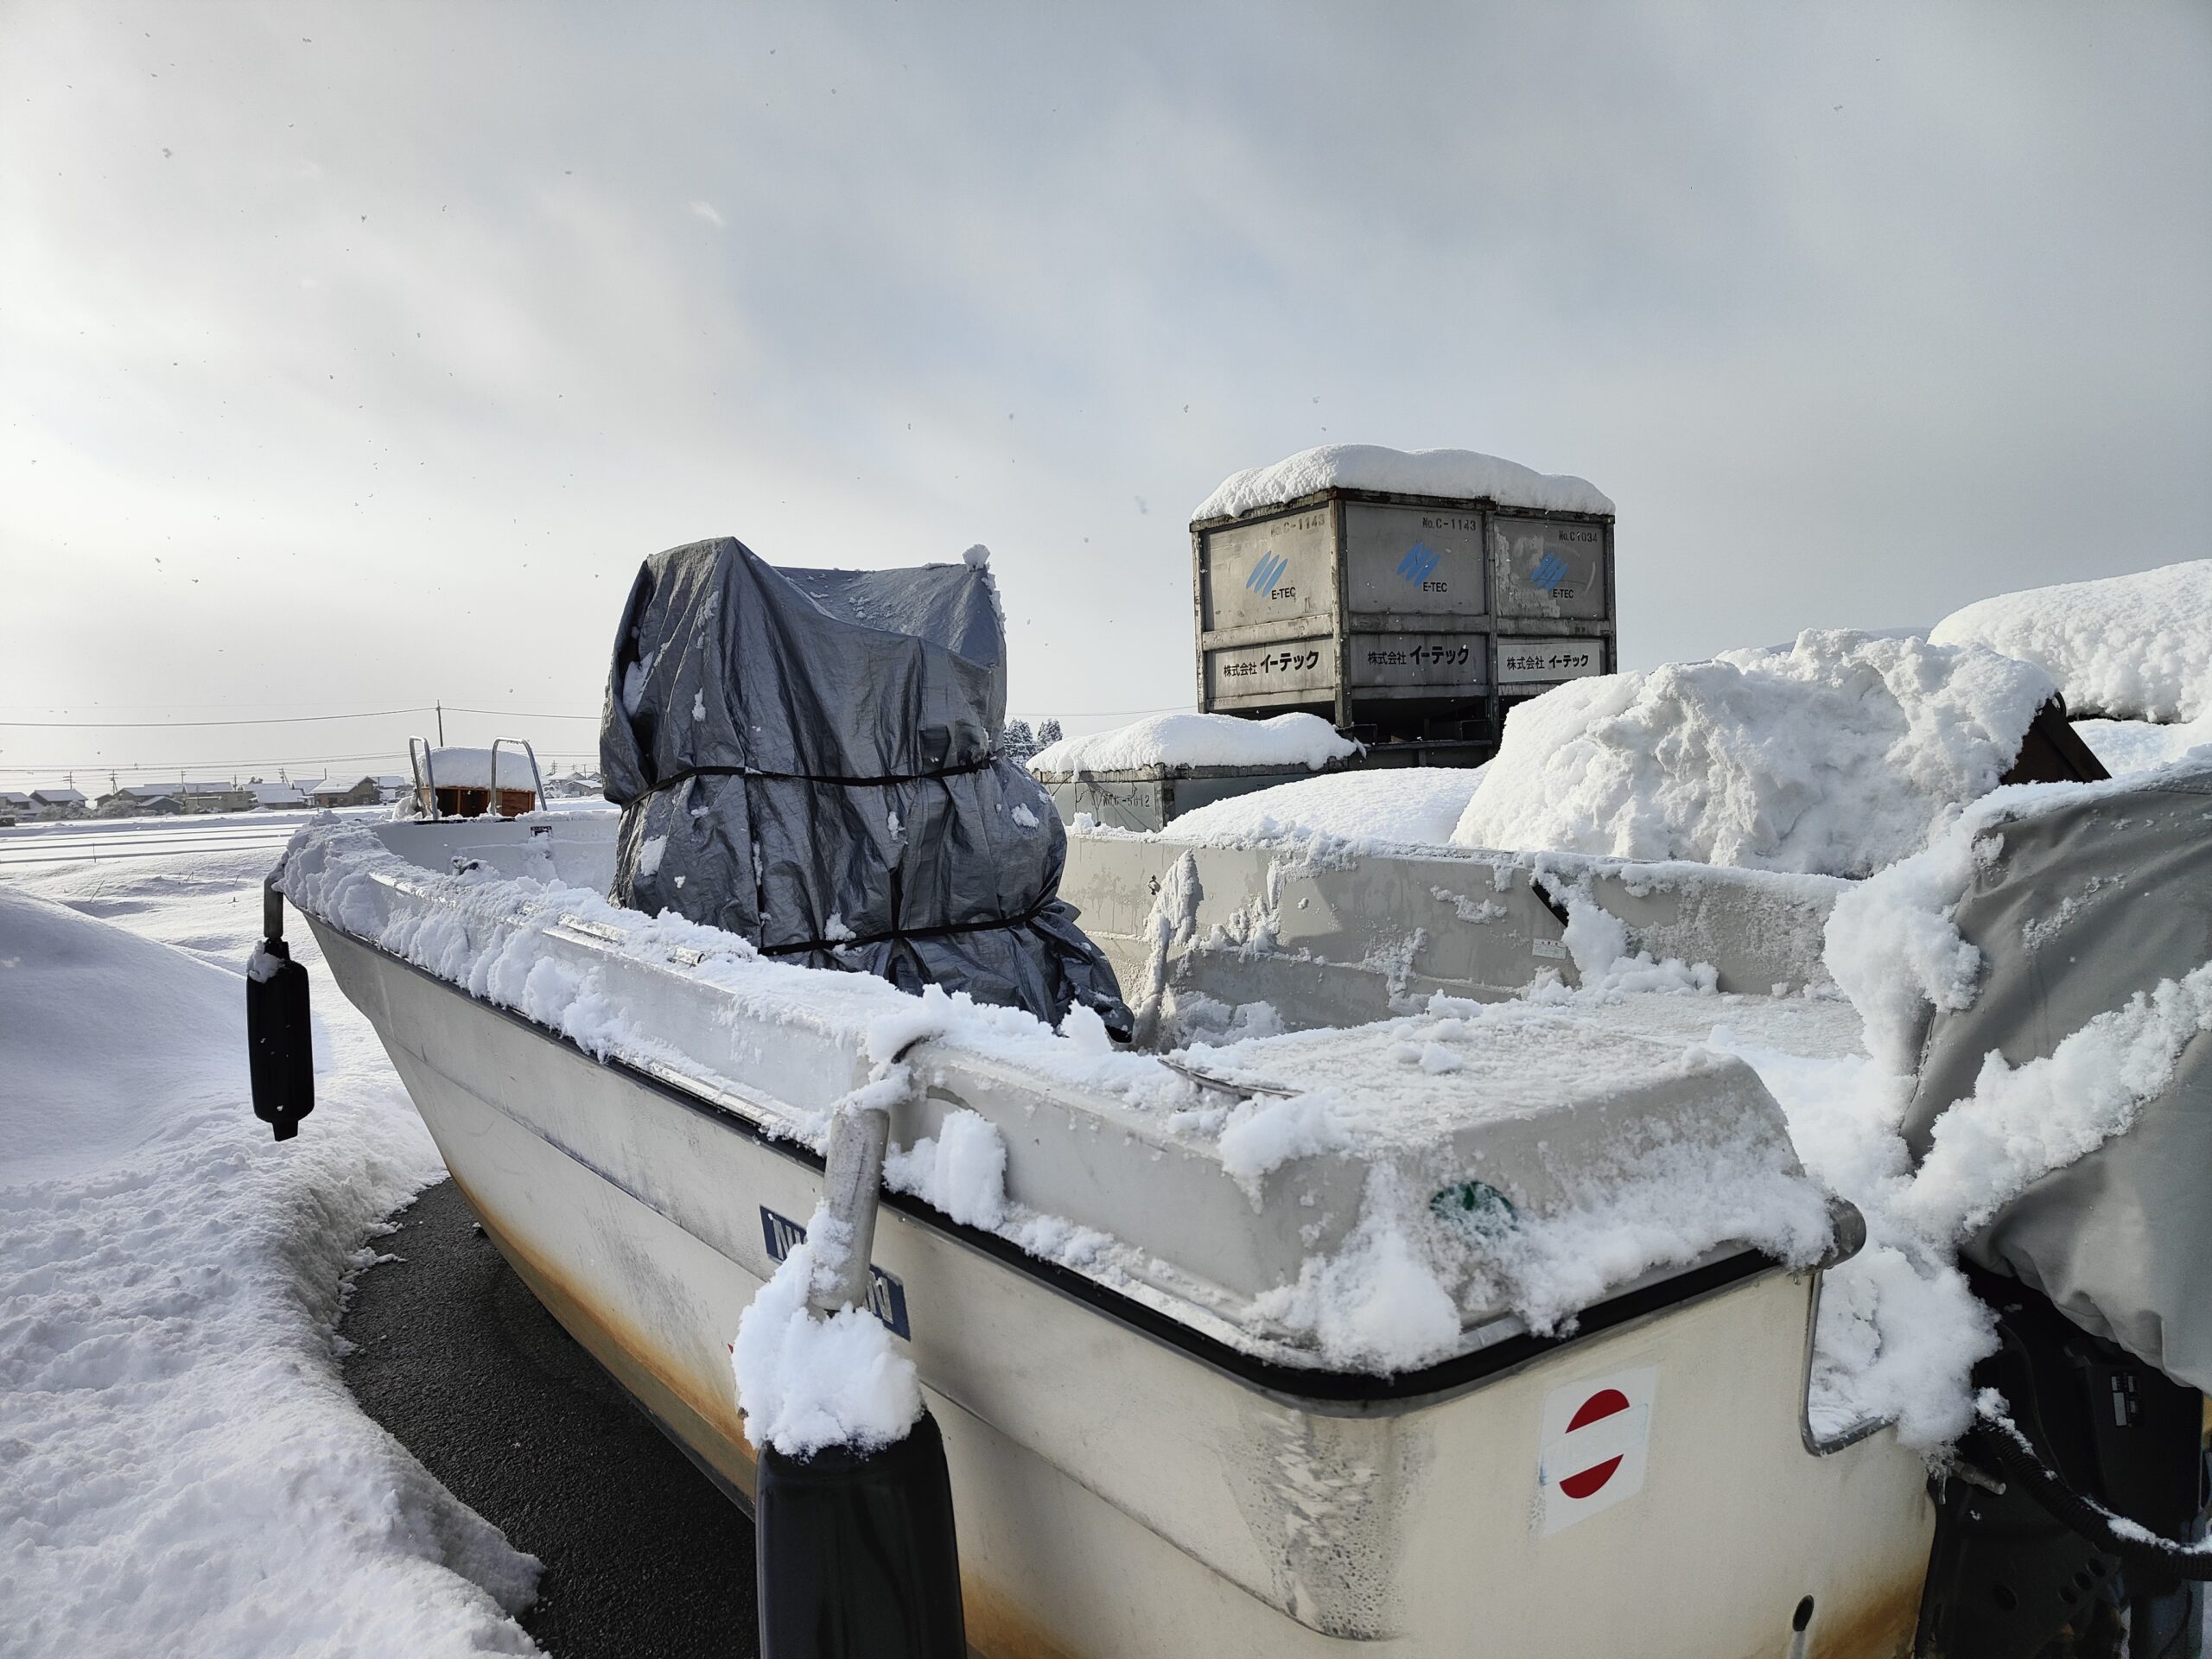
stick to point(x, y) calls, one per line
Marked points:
point(1382, 1294)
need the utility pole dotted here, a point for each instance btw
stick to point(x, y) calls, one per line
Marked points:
point(441, 725)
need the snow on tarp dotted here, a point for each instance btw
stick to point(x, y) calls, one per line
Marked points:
point(1403, 805)
point(2134, 647)
point(2132, 746)
point(2011, 1140)
point(2084, 1058)
point(1462, 475)
point(186, 1472)
point(1170, 741)
point(1838, 756)
point(804, 758)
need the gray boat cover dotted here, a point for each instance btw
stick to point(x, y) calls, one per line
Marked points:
point(2085, 905)
point(804, 758)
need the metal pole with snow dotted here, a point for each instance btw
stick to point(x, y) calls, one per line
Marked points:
point(854, 1542)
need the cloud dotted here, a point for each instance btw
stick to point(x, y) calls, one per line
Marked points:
point(403, 346)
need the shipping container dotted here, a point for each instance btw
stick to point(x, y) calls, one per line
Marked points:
point(1400, 618)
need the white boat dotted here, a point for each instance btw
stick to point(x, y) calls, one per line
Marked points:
point(1163, 1437)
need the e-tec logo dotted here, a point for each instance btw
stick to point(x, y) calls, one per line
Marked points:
point(1267, 572)
point(1596, 1435)
point(1420, 559)
point(1550, 571)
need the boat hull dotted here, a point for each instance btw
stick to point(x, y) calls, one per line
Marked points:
point(1124, 1490)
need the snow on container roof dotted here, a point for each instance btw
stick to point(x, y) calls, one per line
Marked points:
point(472, 769)
point(1460, 474)
point(1837, 757)
point(1164, 741)
point(1398, 805)
point(2134, 647)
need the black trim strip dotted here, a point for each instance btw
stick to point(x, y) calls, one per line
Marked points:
point(1298, 1384)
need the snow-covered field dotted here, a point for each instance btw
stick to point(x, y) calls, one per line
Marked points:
point(181, 1470)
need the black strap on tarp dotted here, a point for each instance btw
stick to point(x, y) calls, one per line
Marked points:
point(676, 778)
point(943, 930)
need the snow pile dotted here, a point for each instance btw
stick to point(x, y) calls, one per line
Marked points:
point(2134, 648)
point(186, 1472)
point(961, 1170)
point(1169, 740)
point(1597, 941)
point(805, 1381)
point(1461, 474)
point(1380, 1303)
point(1838, 756)
point(1411, 806)
point(2133, 745)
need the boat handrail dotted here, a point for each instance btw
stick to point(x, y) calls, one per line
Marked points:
point(421, 763)
point(536, 776)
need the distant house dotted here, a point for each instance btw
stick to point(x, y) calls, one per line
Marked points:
point(278, 798)
point(133, 804)
point(393, 786)
point(133, 800)
point(60, 803)
point(362, 791)
point(16, 805)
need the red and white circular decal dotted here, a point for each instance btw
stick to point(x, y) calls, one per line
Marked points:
point(1596, 1434)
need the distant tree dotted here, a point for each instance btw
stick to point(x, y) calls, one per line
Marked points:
point(1048, 733)
point(1017, 742)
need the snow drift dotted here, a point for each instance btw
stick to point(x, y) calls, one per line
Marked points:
point(2134, 647)
point(1836, 757)
point(185, 1471)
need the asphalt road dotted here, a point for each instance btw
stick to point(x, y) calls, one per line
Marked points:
point(643, 1555)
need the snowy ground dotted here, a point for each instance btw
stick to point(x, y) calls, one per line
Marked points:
point(182, 1471)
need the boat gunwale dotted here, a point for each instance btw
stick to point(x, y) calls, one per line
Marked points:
point(1314, 1389)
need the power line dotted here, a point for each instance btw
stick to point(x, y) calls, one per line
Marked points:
point(273, 720)
point(173, 768)
point(514, 714)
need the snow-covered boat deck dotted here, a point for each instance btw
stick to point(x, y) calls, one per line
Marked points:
point(1254, 1190)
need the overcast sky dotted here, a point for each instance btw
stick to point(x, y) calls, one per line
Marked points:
point(352, 357)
